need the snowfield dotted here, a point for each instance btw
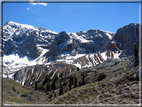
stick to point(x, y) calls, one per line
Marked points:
point(13, 62)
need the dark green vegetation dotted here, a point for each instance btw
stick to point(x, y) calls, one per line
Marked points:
point(111, 82)
point(136, 49)
point(101, 76)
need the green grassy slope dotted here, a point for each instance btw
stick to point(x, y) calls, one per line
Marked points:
point(11, 97)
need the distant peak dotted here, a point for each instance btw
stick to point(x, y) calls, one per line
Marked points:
point(41, 28)
point(132, 24)
point(11, 23)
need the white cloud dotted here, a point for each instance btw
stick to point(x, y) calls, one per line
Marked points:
point(44, 4)
point(31, 1)
point(28, 8)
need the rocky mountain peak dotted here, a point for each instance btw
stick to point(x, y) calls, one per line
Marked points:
point(125, 38)
point(42, 46)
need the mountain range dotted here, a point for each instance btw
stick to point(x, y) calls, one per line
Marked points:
point(27, 48)
point(41, 66)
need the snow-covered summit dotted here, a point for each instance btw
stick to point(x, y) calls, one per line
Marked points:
point(27, 40)
point(15, 24)
point(29, 45)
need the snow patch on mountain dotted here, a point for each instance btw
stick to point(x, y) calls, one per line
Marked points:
point(14, 62)
point(69, 58)
point(41, 59)
point(78, 65)
point(117, 54)
point(110, 36)
point(103, 54)
point(81, 39)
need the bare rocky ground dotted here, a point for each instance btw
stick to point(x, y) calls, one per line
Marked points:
point(119, 87)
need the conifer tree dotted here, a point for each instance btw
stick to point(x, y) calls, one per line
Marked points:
point(47, 86)
point(75, 82)
point(35, 85)
point(80, 83)
point(14, 89)
point(53, 85)
point(61, 89)
point(46, 79)
point(61, 75)
point(70, 82)
point(83, 79)
point(136, 50)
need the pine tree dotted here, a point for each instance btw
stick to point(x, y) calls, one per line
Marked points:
point(35, 85)
point(70, 82)
point(77, 68)
point(53, 85)
point(55, 78)
point(61, 75)
point(61, 89)
point(136, 50)
point(46, 79)
point(83, 79)
point(80, 83)
point(75, 82)
point(47, 86)
point(14, 89)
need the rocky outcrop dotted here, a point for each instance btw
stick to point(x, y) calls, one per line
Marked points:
point(62, 37)
point(30, 75)
point(124, 39)
point(127, 35)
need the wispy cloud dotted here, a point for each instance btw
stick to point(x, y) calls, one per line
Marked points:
point(28, 8)
point(43, 4)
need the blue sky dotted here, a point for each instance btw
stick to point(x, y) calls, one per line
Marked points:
point(73, 17)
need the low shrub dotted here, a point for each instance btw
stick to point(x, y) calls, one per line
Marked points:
point(101, 76)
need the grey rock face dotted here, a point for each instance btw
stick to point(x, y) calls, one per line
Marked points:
point(62, 37)
point(100, 39)
point(125, 38)
point(128, 34)
point(82, 42)
point(26, 40)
